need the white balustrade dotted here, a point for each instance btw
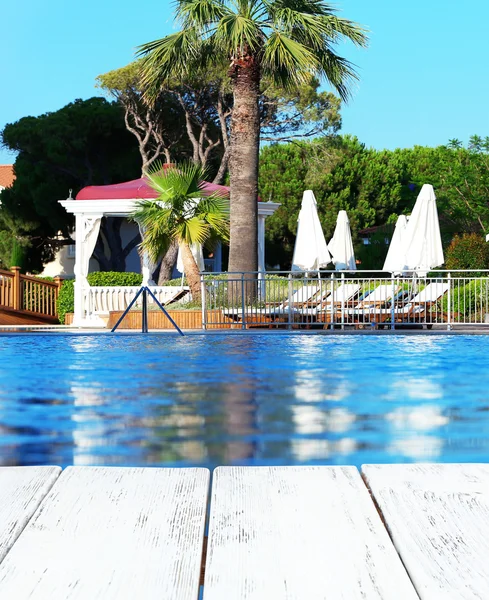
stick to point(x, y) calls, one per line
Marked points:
point(104, 299)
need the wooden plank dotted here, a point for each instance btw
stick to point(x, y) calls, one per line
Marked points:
point(112, 533)
point(438, 518)
point(302, 533)
point(21, 492)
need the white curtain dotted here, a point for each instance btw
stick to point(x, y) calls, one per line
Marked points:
point(91, 229)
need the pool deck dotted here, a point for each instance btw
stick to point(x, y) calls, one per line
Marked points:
point(399, 532)
point(69, 330)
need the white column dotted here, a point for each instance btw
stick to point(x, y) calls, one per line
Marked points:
point(148, 265)
point(87, 228)
point(261, 243)
point(78, 311)
point(261, 254)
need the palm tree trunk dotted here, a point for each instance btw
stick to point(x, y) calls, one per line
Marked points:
point(191, 271)
point(167, 263)
point(243, 165)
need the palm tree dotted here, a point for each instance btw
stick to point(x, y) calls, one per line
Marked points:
point(181, 212)
point(286, 41)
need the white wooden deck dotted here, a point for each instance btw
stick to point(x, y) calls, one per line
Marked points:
point(298, 532)
point(274, 533)
point(112, 534)
point(438, 517)
point(21, 492)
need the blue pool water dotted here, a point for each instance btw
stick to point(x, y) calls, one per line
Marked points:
point(242, 399)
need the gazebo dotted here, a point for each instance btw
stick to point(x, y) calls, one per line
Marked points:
point(93, 203)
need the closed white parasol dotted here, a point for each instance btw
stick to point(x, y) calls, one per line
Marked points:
point(310, 250)
point(341, 246)
point(395, 261)
point(423, 249)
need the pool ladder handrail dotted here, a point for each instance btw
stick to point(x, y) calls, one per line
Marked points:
point(144, 290)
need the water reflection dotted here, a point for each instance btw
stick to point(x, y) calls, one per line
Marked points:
point(285, 399)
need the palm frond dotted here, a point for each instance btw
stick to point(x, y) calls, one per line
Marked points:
point(175, 182)
point(336, 28)
point(156, 221)
point(339, 72)
point(200, 13)
point(180, 211)
point(215, 211)
point(174, 55)
point(287, 61)
point(312, 27)
point(193, 231)
point(235, 32)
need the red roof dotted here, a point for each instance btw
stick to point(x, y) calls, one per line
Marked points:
point(6, 175)
point(137, 188)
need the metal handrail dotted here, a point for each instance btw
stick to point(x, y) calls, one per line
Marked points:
point(144, 290)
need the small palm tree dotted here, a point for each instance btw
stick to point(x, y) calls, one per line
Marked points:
point(286, 41)
point(183, 213)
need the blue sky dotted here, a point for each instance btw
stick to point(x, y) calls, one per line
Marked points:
point(423, 79)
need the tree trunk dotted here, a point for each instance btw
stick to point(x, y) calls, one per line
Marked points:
point(191, 271)
point(167, 263)
point(243, 165)
point(219, 178)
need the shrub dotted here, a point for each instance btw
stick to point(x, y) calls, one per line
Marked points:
point(17, 258)
point(468, 251)
point(469, 301)
point(66, 297)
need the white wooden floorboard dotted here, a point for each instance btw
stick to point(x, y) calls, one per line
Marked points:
point(298, 533)
point(438, 517)
point(21, 492)
point(112, 533)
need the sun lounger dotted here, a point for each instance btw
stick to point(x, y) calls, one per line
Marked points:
point(339, 297)
point(417, 310)
point(376, 299)
point(304, 298)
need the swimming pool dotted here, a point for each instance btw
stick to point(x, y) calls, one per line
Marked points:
point(208, 400)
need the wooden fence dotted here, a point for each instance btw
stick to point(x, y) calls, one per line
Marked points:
point(28, 295)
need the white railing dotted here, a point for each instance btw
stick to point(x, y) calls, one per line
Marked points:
point(104, 299)
point(357, 299)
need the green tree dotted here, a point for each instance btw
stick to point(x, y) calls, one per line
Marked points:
point(84, 143)
point(372, 186)
point(159, 127)
point(190, 117)
point(286, 41)
point(181, 212)
point(467, 251)
point(460, 177)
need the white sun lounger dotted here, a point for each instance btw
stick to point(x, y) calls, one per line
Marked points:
point(416, 308)
point(307, 295)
